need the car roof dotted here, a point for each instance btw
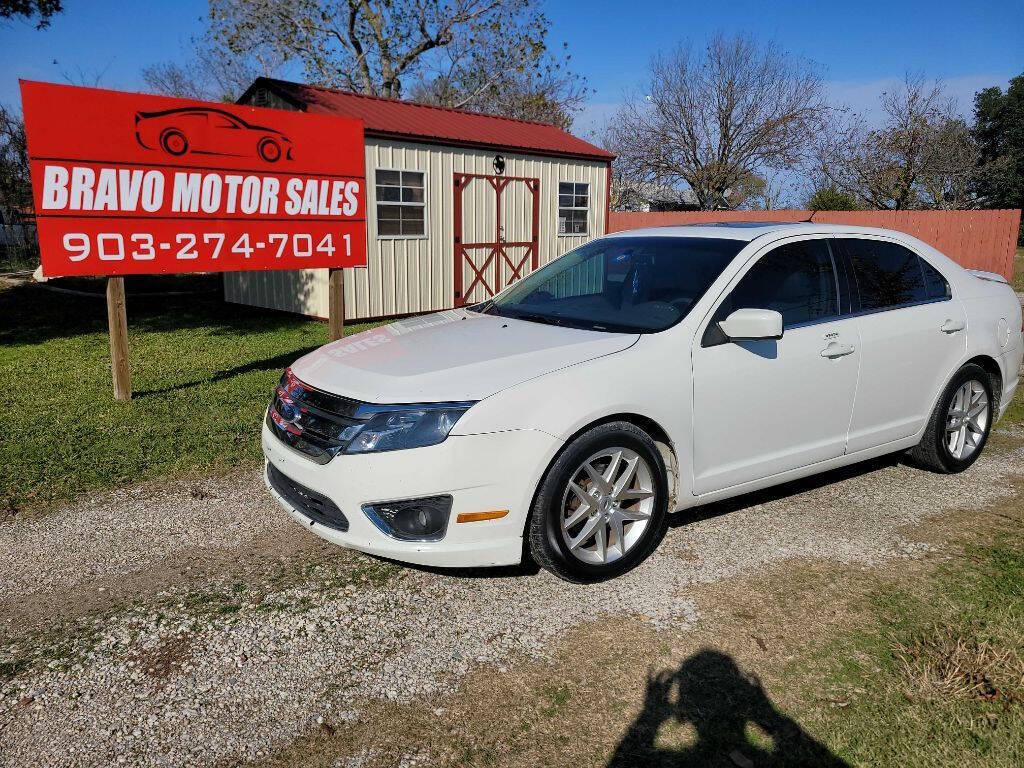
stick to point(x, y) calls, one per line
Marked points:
point(750, 230)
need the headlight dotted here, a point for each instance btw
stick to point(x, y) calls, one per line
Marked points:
point(322, 425)
point(394, 427)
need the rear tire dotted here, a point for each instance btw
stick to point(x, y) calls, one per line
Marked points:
point(601, 508)
point(269, 150)
point(174, 142)
point(959, 427)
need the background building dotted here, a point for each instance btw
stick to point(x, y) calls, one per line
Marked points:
point(459, 205)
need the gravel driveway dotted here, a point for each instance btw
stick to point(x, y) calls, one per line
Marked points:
point(194, 623)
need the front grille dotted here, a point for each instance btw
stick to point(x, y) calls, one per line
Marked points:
point(313, 422)
point(313, 505)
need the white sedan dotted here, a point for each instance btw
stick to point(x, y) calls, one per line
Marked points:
point(640, 374)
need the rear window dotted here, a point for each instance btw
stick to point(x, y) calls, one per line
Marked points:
point(886, 275)
point(936, 286)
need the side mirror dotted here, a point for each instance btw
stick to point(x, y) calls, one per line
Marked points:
point(752, 324)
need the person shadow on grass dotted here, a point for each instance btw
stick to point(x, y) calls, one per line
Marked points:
point(710, 692)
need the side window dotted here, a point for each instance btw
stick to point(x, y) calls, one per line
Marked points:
point(219, 121)
point(935, 284)
point(573, 204)
point(796, 280)
point(887, 275)
point(400, 203)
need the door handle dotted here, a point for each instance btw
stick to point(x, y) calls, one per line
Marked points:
point(952, 326)
point(834, 350)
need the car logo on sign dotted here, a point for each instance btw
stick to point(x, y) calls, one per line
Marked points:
point(209, 131)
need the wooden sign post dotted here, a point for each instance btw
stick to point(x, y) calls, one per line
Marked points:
point(117, 324)
point(336, 303)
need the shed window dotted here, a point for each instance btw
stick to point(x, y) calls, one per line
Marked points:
point(400, 203)
point(573, 204)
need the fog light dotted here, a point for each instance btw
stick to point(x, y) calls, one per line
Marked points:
point(413, 519)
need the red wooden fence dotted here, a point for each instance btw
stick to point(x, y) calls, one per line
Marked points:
point(974, 239)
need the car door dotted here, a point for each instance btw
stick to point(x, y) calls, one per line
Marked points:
point(769, 406)
point(913, 335)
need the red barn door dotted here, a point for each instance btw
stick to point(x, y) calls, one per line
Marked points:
point(495, 228)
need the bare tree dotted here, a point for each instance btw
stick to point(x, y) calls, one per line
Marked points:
point(15, 187)
point(212, 72)
point(484, 54)
point(947, 180)
point(170, 78)
point(86, 78)
point(767, 193)
point(546, 94)
point(922, 155)
point(715, 118)
point(18, 245)
point(525, 81)
point(647, 197)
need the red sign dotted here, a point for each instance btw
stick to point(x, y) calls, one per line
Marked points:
point(128, 183)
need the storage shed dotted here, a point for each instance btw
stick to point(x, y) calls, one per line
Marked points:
point(459, 205)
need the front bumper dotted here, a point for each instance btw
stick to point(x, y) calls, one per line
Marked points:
point(494, 471)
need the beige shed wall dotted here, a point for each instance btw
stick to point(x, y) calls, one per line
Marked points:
point(408, 275)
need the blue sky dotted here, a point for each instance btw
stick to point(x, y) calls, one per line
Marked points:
point(862, 46)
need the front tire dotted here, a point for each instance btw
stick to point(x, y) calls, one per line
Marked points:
point(960, 424)
point(601, 509)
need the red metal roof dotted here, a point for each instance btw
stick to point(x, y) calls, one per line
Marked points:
point(393, 119)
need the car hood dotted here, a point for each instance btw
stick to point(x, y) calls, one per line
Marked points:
point(449, 356)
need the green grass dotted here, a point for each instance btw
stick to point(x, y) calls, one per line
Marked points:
point(1018, 270)
point(936, 675)
point(202, 372)
point(555, 697)
point(18, 258)
point(939, 679)
point(1015, 413)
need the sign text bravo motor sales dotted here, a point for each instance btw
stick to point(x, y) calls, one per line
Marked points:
point(144, 184)
point(84, 188)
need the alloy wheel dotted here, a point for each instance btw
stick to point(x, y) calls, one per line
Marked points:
point(967, 420)
point(607, 505)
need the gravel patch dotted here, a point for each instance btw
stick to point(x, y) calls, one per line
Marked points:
point(856, 520)
point(1013, 431)
point(187, 684)
point(122, 532)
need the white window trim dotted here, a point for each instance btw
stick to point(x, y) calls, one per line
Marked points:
point(426, 217)
point(559, 208)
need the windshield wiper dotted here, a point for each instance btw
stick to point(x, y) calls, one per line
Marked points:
point(535, 318)
point(560, 321)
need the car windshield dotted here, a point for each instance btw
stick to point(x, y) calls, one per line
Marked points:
point(619, 284)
